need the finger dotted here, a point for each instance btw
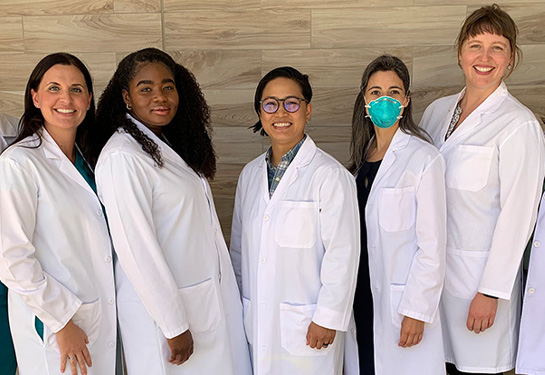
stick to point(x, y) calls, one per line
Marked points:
point(319, 344)
point(86, 338)
point(63, 362)
point(402, 338)
point(73, 365)
point(491, 321)
point(82, 366)
point(87, 357)
point(477, 326)
point(470, 323)
point(419, 339)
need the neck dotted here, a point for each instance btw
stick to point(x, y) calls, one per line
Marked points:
point(474, 97)
point(279, 150)
point(65, 139)
point(383, 138)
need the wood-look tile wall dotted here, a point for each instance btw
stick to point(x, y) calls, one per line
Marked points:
point(230, 44)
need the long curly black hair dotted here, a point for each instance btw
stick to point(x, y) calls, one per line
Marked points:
point(32, 120)
point(189, 132)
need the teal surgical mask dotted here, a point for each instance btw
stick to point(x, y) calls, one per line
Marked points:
point(384, 111)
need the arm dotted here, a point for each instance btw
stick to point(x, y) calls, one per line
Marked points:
point(340, 235)
point(424, 284)
point(235, 247)
point(124, 187)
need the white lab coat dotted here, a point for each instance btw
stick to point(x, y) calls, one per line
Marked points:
point(406, 238)
point(55, 257)
point(495, 167)
point(170, 246)
point(296, 256)
point(530, 358)
point(8, 132)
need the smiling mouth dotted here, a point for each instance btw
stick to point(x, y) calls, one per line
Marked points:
point(65, 111)
point(161, 111)
point(281, 125)
point(483, 69)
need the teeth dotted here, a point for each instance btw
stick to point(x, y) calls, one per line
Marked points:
point(483, 69)
point(61, 110)
point(281, 124)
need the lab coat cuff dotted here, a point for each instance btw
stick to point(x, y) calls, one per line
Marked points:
point(176, 332)
point(416, 315)
point(56, 326)
point(495, 293)
point(330, 319)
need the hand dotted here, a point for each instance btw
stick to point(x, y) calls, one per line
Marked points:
point(411, 332)
point(482, 312)
point(181, 348)
point(319, 337)
point(72, 343)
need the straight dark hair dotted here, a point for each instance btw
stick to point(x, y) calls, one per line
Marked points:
point(363, 129)
point(32, 120)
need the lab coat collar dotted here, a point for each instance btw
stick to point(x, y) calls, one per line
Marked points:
point(399, 142)
point(489, 105)
point(53, 151)
point(303, 158)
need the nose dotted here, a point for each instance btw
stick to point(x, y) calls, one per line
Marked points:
point(160, 97)
point(486, 54)
point(65, 96)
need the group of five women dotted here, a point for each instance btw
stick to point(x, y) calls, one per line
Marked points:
point(441, 229)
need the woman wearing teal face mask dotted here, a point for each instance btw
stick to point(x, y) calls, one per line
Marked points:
point(401, 197)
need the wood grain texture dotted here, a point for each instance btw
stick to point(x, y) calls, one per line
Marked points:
point(331, 67)
point(436, 67)
point(11, 34)
point(314, 4)
point(137, 6)
point(332, 106)
point(231, 107)
point(237, 30)
point(92, 33)
point(222, 69)
point(390, 26)
point(54, 7)
point(532, 69)
point(211, 5)
point(11, 102)
point(236, 145)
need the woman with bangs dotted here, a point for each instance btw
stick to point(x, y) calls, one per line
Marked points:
point(494, 150)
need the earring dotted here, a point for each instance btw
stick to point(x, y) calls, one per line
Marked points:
point(508, 67)
point(129, 108)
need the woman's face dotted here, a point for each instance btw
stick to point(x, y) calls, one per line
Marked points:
point(152, 95)
point(282, 127)
point(484, 59)
point(63, 98)
point(385, 83)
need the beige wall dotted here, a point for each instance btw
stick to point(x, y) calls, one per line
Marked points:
point(230, 44)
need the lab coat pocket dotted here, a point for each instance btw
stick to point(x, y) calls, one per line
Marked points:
point(396, 293)
point(248, 327)
point(296, 224)
point(464, 271)
point(202, 306)
point(88, 317)
point(468, 167)
point(397, 208)
point(294, 322)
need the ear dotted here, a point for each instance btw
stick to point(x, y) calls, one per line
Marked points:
point(308, 112)
point(126, 97)
point(89, 103)
point(34, 96)
point(407, 99)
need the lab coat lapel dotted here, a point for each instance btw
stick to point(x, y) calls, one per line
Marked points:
point(490, 104)
point(399, 142)
point(52, 151)
point(303, 158)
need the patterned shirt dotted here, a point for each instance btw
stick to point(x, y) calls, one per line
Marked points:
point(275, 173)
point(454, 120)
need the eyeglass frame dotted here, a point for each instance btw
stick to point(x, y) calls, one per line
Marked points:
point(283, 101)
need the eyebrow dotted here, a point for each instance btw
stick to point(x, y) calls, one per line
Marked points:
point(150, 82)
point(378, 87)
point(58, 84)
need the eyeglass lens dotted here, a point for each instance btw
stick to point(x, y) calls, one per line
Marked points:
point(271, 105)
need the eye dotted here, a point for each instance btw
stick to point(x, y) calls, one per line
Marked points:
point(375, 92)
point(76, 90)
point(394, 92)
point(474, 45)
point(53, 88)
point(498, 48)
point(145, 89)
point(169, 88)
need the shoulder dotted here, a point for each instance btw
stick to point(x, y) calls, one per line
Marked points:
point(121, 143)
point(24, 151)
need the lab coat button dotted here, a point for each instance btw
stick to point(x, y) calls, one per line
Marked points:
point(111, 344)
point(537, 244)
point(263, 260)
point(99, 212)
point(108, 259)
point(531, 290)
point(111, 301)
point(266, 217)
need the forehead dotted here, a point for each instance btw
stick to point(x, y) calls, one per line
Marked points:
point(282, 87)
point(67, 74)
point(384, 79)
point(489, 37)
point(151, 70)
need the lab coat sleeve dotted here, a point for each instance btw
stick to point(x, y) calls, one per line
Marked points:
point(340, 235)
point(425, 281)
point(125, 189)
point(22, 273)
point(236, 237)
point(521, 170)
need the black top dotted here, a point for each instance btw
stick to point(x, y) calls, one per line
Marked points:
point(363, 302)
